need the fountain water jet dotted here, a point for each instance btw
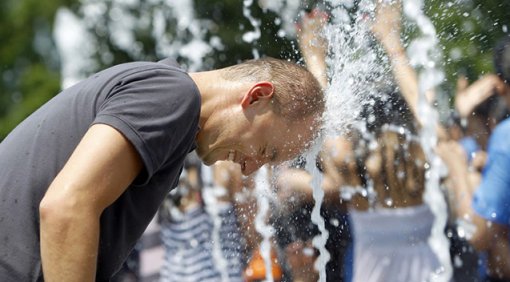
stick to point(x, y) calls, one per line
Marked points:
point(424, 55)
point(211, 193)
point(318, 241)
point(263, 193)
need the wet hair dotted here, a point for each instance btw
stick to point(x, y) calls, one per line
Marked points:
point(297, 93)
point(502, 59)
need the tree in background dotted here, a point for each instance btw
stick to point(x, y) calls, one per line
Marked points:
point(29, 64)
point(124, 31)
point(468, 31)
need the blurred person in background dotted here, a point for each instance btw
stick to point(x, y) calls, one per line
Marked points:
point(380, 167)
point(295, 229)
point(188, 226)
point(483, 203)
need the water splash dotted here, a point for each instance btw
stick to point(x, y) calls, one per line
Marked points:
point(211, 193)
point(355, 73)
point(354, 76)
point(263, 192)
point(424, 55)
point(320, 240)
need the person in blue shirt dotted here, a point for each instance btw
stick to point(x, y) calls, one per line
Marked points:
point(486, 205)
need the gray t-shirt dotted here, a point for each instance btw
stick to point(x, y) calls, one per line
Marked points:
point(155, 105)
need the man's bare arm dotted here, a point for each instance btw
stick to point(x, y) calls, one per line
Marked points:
point(100, 169)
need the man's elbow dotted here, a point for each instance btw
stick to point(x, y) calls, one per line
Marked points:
point(60, 210)
point(55, 212)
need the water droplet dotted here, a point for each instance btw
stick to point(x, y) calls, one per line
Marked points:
point(457, 261)
point(335, 222)
point(388, 202)
point(449, 234)
point(461, 232)
point(308, 252)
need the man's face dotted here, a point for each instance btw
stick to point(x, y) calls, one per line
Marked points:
point(266, 139)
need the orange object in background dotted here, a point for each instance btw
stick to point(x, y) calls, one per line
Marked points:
point(256, 269)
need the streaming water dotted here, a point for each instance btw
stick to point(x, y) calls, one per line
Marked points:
point(355, 73)
point(318, 241)
point(424, 55)
point(210, 194)
point(263, 193)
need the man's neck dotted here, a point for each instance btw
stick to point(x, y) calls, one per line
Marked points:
point(216, 92)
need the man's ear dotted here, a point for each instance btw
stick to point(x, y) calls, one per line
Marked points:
point(260, 91)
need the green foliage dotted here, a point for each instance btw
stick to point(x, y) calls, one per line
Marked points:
point(29, 64)
point(231, 24)
point(42, 84)
point(217, 19)
point(468, 30)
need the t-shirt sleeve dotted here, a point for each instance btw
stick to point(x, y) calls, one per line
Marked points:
point(157, 110)
point(491, 200)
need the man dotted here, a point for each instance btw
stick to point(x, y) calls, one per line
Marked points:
point(81, 178)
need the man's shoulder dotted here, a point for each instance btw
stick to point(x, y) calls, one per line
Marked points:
point(128, 68)
point(170, 62)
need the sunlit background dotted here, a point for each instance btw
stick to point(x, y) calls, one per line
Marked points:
point(43, 42)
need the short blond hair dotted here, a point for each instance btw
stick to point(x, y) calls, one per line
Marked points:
point(297, 93)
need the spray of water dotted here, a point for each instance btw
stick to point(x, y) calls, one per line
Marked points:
point(355, 76)
point(355, 73)
point(424, 55)
point(263, 192)
point(211, 193)
point(318, 241)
